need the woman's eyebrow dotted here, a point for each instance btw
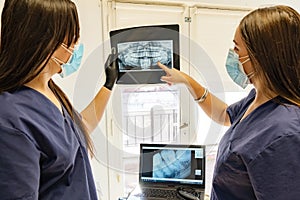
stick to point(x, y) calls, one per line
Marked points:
point(236, 45)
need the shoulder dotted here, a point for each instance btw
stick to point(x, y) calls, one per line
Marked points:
point(25, 109)
point(267, 125)
point(13, 103)
point(13, 112)
point(10, 104)
point(285, 118)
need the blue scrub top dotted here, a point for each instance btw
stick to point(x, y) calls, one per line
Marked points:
point(259, 157)
point(43, 154)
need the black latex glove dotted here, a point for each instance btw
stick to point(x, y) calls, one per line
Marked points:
point(111, 70)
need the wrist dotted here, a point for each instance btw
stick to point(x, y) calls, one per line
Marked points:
point(108, 86)
point(185, 78)
point(203, 97)
point(105, 88)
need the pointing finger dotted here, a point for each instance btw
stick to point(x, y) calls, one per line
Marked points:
point(165, 68)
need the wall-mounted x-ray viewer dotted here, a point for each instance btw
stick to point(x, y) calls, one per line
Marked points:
point(140, 48)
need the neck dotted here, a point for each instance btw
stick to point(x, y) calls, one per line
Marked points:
point(40, 84)
point(261, 97)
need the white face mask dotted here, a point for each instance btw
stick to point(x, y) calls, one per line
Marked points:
point(235, 69)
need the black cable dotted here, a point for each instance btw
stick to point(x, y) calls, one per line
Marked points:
point(188, 193)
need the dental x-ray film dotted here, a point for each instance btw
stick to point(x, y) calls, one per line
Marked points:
point(140, 48)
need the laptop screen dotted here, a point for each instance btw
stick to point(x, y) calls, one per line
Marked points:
point(172, 164)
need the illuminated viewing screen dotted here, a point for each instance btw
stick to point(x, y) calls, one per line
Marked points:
point(140, 48)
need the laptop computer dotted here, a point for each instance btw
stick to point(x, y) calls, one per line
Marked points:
point(171, 171)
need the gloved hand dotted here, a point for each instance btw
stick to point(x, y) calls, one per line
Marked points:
point(111, 70)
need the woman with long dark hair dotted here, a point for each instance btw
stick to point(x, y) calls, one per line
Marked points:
point(258, 157)
point(44, 142)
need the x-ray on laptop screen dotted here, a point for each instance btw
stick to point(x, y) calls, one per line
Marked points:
point(172, 164)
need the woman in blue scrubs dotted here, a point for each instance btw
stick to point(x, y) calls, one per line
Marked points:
point(259, 155)
point(44, 142)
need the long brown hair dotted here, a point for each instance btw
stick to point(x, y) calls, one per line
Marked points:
point(272, 38)
point(31, 31)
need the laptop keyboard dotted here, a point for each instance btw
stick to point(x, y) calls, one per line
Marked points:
point(159, 193)
point(163, 193)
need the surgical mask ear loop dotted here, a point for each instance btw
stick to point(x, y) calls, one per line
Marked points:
point(248, 59)
point(58, 61)
point(241, 64)
point(63, 45)
point(251, 74)
point(244, 57)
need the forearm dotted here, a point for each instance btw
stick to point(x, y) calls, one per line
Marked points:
point(212, 106)
point(93, 113)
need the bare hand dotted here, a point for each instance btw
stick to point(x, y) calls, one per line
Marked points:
point(172, 75)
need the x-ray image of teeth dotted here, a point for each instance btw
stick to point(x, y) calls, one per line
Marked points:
point(144, 55)
point(172, 164)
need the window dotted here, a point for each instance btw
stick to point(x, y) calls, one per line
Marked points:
point(150, 114)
